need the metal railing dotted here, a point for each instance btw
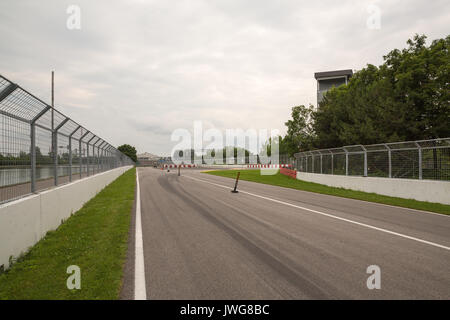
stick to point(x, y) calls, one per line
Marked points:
point(425, 159)
point(286, 159)
point(40, 147)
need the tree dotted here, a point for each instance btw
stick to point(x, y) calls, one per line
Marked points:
point(406, 98)
point(300, 134)
point(129, 151)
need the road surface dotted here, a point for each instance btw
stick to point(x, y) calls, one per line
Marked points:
point(200, 241)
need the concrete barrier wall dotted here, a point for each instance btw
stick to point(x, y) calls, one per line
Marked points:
point(25, 221)
point(422, 190)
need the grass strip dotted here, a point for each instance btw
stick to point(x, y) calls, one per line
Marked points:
point(94, 238)
point(287, 182)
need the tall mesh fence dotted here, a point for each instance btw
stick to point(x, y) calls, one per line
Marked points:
point(425, 159)
point(40, 147)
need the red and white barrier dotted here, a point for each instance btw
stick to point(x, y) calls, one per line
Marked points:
point(174, 166)
point(289, 172)
point(249, 166)
point(271, 166)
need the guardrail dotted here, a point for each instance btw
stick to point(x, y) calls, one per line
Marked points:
point(425, 159)
point(40, 147)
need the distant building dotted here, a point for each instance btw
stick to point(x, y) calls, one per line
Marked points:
point(148, 159)
point(329, 79)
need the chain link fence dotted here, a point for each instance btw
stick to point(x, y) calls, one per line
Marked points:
point(426, 159)
point(286, 159)
point(40, 147)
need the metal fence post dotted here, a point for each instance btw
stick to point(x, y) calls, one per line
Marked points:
point(312, 163)
point(93, 155)
point(70, 158)
point(332, 162)
point(80, 151)
point(70, 152)
point(365, 161)
point(346, 161)
point(55, 149)
point(87, 158)
point(389, 160)
point(33, 157)
point(99, 157)
point(420, 163)
point(98, 154)
point(102, 165)
point(111, 158)
point(33, 147)
point(321, 170)
point(107, 158)
point(87, 154)
point(55, 157)
point(104, 158)
point(81, 154)
point(94, 162)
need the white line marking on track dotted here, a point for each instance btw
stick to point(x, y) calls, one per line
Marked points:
point(139, 268)
point(330, 215)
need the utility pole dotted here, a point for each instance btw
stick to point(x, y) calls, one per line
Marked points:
point(54, 147)
point(53, 99)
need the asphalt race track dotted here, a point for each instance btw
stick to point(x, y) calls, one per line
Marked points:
point(201, 241)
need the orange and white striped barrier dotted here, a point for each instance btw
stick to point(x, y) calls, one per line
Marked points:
point(174, 166)
point(271, 166)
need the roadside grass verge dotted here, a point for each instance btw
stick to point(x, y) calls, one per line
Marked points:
point(287, 182)
point(94, 238)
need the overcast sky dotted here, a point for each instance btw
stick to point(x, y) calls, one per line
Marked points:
point(138, 69)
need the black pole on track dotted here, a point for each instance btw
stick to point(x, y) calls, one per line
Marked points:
point(236, 184)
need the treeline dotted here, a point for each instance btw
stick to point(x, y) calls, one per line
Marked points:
point(406, 98)
point(25, 157)
point(129, 151)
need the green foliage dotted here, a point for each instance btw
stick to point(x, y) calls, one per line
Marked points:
point(129, 151)
point(24, 158)
point(300, 133)
point(406, 98)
